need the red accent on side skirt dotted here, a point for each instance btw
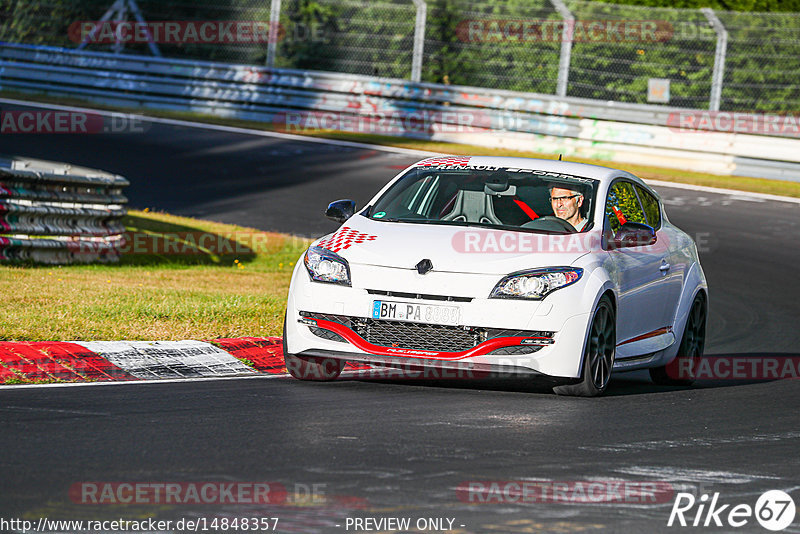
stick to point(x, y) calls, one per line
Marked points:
point(654, 333)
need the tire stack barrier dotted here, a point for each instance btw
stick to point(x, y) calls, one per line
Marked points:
point(57, 214)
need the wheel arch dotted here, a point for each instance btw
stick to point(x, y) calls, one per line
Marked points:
point(682, 317)
point(608, 291)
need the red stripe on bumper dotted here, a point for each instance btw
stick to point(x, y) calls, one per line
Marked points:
point(479, 350)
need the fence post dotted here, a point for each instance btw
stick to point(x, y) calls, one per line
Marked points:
point(566, 46)
point(274, 26)
point(719, 58)
point(118, 12)
point(419, 40)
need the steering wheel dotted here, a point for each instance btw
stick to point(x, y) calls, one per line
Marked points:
point(550, 223)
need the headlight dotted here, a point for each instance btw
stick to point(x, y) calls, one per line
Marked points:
point(325, 266)
point(535, 284)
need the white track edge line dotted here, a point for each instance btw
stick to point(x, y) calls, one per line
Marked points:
point(717, 190)
point(231, 129)
point(140, 381)
point(353, 144)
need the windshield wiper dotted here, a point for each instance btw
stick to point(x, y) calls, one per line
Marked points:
point(422, 221)
point(446, 223)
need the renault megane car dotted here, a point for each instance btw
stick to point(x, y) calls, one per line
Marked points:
point(558, 270)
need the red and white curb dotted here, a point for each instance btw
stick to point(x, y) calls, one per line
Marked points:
point(110, 361)
point(97, 361)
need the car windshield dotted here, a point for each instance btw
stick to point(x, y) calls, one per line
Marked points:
point(493, 197)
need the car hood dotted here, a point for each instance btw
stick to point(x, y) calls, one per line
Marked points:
point(453, 248)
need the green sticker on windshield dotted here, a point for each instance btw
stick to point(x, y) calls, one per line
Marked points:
point(380, 214)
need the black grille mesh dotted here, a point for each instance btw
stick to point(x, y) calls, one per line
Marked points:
point(327, 334)
point(423, 336)
point(418, 336)
point(515, 351)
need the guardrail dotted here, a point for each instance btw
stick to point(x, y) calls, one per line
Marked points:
point(294, 100)
point(55, 213)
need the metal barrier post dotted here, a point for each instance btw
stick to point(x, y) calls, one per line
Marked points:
point(274, 26)
point(719, 58)
point(566, 46)
point(419, 40)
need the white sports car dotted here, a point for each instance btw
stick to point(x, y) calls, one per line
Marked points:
point(559, 270)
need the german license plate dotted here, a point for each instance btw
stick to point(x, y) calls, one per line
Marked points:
point(417, 313)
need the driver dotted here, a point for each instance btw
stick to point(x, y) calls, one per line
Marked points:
point(566, 205)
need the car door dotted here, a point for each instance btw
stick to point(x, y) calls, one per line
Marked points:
point(673, 266)
point(636, 270)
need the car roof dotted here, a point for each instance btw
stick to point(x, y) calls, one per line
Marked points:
point(585, 170)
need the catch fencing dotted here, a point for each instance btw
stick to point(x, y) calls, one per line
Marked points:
point(55, 213)
point(689, 58)
point(299, 101)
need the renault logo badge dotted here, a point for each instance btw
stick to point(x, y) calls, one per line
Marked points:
point(424, 266)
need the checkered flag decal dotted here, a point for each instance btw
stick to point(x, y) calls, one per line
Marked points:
point(344, 238)
point(453, 160)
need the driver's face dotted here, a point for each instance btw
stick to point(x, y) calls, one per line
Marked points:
point(565, 202)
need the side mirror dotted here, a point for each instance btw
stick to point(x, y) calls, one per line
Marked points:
point(633, 234)
point(340, 210)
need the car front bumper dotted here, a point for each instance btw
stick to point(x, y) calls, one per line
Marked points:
point(340, 315)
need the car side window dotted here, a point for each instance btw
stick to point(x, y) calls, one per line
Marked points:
point(623, 206)
point(652, 210)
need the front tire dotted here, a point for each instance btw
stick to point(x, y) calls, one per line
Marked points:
point(598, 354)
point(311, 367)
point(682, 371)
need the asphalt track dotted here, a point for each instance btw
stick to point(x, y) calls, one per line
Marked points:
point(400, 449)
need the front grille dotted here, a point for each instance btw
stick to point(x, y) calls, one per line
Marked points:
point(516, 350)
point(326, 334)
point(425, 296)
point(423, 336)
point(419, 336)
point(496, 332)
point(341, 319)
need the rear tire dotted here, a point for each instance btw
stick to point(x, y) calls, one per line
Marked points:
point(598, 354)
point(682, 371)
point(311, 367)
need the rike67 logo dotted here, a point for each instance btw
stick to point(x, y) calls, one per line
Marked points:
point(774, 510)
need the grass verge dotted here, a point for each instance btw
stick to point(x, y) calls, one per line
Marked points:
point(181, 279)
point(757, 185)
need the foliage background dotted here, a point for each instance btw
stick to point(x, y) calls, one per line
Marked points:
point(375, 37)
